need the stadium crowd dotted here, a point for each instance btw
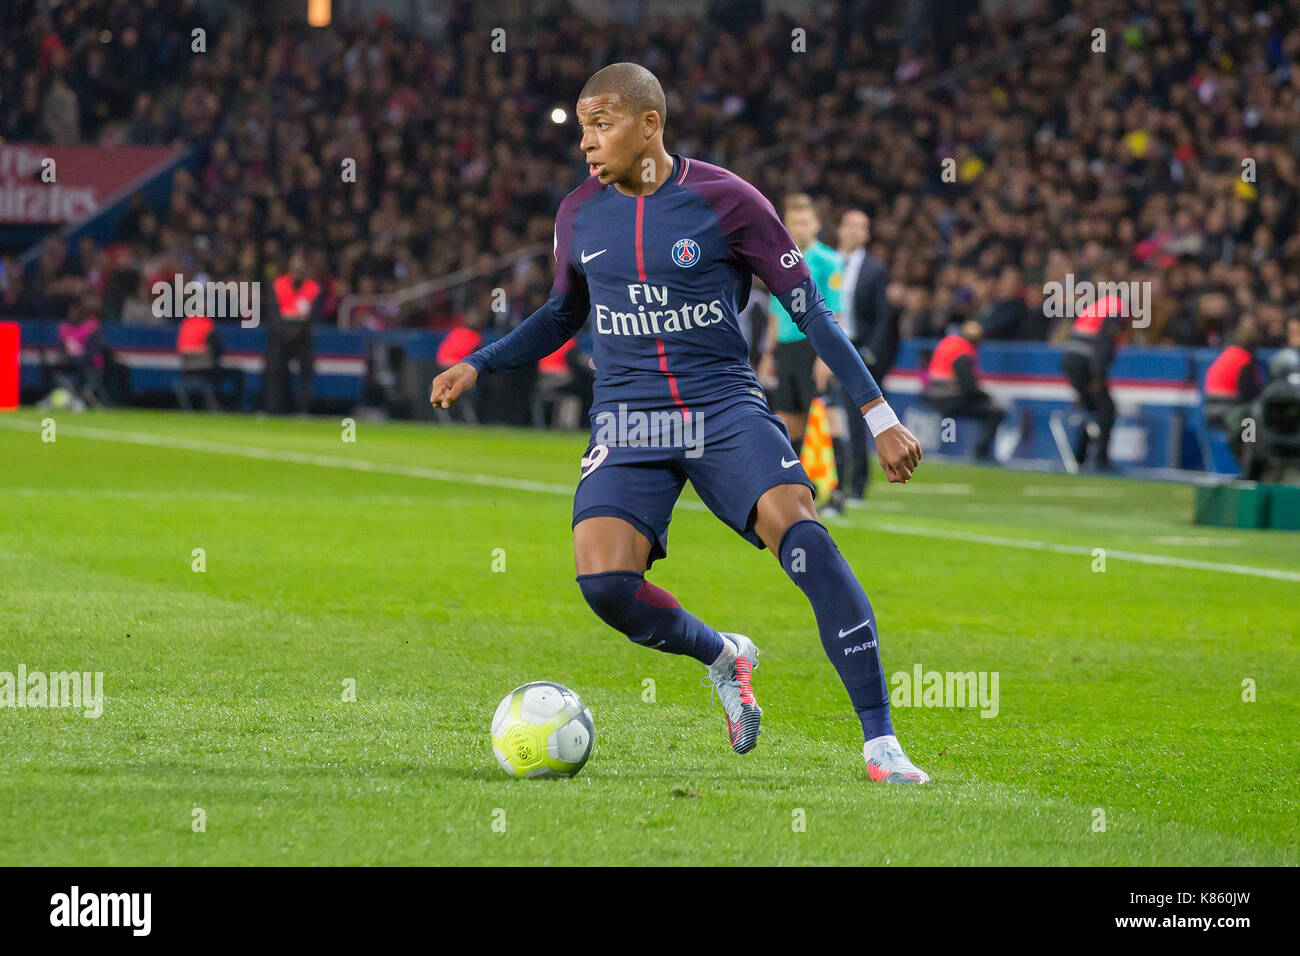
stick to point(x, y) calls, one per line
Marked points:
point(1170, 157)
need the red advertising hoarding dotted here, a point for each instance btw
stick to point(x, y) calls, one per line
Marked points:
point(53, 185)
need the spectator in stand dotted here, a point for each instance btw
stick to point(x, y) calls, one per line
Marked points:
point(198, 343)
point(291, 336)
point(83, 356)
point(1233, 379)
point(460, 340)
point(11, 287)
point(1089, 351)
point(566, 378)
point(953, 390)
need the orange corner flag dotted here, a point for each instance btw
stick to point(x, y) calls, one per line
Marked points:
point(818, 455)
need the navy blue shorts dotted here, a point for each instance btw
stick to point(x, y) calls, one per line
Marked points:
point(731, 456)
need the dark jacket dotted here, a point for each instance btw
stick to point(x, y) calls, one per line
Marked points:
point(875, 318)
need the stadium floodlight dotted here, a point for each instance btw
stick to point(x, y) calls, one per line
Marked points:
point(318, 13)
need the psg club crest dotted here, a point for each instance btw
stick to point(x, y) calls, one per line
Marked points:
point(686, 253)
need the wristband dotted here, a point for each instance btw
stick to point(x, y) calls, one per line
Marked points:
point(880, 418)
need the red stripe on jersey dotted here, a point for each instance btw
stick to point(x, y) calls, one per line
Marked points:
point(672, 379)
point(659, 343)
point(640, 252)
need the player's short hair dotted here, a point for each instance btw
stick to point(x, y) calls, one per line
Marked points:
point(798, 202)
point(636, 87)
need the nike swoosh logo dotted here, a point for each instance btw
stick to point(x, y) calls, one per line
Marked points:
point(789, 464)
point(858, 628)
point(587, 258)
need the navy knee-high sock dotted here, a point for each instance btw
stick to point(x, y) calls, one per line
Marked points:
point(649, 615)
point(844, 619)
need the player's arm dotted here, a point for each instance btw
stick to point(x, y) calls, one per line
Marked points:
point(897, 448)
point(759, 238)
point(557, 321)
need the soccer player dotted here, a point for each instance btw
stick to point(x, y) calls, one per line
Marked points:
point(659, 250)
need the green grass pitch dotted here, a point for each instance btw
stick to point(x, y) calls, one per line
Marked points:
point(1120, 692)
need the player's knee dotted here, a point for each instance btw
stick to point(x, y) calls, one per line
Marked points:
point(807, 547)
point(616, 597)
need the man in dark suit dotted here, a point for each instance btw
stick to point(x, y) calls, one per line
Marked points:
point(871, 324)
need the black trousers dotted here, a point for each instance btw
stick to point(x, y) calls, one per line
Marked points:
point(855, 470)
point(1227, 415)
point(290, 341)
point(1094, 394)
point(852, 459)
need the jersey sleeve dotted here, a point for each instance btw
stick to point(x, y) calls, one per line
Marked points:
point(760, 241)
point(559, 318)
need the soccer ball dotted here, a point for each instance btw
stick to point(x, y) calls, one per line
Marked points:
point(542, 730)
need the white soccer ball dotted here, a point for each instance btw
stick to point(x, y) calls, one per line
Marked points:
point(542, 730)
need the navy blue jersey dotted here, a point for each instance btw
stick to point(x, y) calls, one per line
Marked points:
point(662, 279)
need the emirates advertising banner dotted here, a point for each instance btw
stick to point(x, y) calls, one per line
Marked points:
point(54, 185)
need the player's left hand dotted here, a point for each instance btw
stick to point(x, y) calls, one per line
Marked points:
point(899, 453)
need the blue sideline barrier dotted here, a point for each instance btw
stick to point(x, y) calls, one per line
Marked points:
point(150, 353)
point(1157, 389)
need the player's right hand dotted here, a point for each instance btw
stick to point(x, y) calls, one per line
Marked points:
point(452, 384)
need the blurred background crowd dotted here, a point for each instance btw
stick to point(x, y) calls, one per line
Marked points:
point(1171, 157)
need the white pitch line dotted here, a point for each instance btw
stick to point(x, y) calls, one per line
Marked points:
point(1083, 491)
point(126, 494)
point(136, 494)
point(1203, 542)
point(295, 457)
point(515, 484)
point(1030, 545)
point(922, 488)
